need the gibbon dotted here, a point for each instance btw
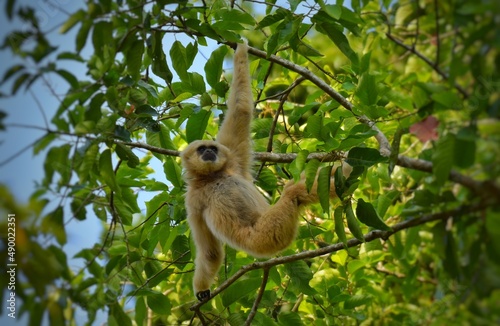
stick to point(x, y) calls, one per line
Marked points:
point(222, 203)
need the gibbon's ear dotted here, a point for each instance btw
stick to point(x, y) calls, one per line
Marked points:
point(203, 157)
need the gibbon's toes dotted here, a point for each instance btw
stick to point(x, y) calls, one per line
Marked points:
point(203, 295)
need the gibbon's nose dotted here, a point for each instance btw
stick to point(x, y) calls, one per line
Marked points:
point(209, 155)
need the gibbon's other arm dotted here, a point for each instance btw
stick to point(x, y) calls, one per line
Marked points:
point(235, 130)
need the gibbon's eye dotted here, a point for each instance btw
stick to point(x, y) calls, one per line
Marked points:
point(214, 149)
point(201, 149)
point(208, 153)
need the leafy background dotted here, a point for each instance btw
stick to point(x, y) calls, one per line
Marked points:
point(405, 92)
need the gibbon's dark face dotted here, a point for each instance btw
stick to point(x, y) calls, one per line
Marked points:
point(203, 157)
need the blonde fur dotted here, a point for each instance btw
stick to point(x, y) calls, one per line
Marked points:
point(222, 203)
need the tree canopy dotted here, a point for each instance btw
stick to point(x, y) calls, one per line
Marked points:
point(404, 94)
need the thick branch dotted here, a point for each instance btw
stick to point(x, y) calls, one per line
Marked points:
point(403, 161)
point(373, 235)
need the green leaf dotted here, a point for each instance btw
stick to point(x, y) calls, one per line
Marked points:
point(449, 99)
point(334, 11)
point(465, 148)
point(367, 90)
point(239, 290)
point(194, 83)
point(339, 225)
point(74, 19)
point(179, 59)
point(284, 32)
point(126, 154)
point(267, 180)
point(442, 158)
point(314, 126)
point(82, 35)
point(24, 78)
point(145, 110)
point(352, 223)
point(289, 318)
point(357, 300)
point(300, 275)
point(141, 311)
point(78, 209)
point(214, 66)
point(196, 125)
point(133, 58)
point(335, 32)
point(324, 178)
point(106, 170)
point(311, 172)
point(384, 201)
point(11, 72)
point(360, 156)
point(102, 37)
point(367, 215)
point(54, 223)
point(303, 48)
point(117, 316)
point(160, 67)
point(269, 20)
point(340, 182)
point(237, 16)
point(173, 172)
point(181, 251)
point(56, 161)
point(43, 142)
point(69, 77)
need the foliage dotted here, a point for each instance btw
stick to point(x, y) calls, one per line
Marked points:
point(404, 92)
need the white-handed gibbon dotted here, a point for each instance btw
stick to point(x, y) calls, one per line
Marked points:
point(222, 203)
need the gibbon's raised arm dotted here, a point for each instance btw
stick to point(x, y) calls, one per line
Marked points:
point(222, 202)
point(235, 130)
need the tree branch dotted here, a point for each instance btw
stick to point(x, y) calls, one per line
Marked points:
point(373, 235)
point(403, 161)
point(428, 61)
point(256, 303)
point(385, 148)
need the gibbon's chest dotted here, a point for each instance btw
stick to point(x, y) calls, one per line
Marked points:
point(233, 197)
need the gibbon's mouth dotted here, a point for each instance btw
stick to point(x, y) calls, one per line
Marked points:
point(209, 156)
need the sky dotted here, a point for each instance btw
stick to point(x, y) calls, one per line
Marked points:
point(20, 170)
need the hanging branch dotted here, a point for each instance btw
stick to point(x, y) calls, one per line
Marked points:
point(373, 235)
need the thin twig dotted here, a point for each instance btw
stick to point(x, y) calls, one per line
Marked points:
point(438, 41)
point(428, 62)
point(256, 303)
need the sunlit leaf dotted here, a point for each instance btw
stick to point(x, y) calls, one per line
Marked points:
point(196, 125)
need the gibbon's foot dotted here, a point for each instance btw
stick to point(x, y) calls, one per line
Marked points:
point(203, 295)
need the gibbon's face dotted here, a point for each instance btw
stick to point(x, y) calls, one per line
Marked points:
point(203, 157)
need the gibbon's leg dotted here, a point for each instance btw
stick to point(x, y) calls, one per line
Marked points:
point(209, 255)
point(235, 130)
